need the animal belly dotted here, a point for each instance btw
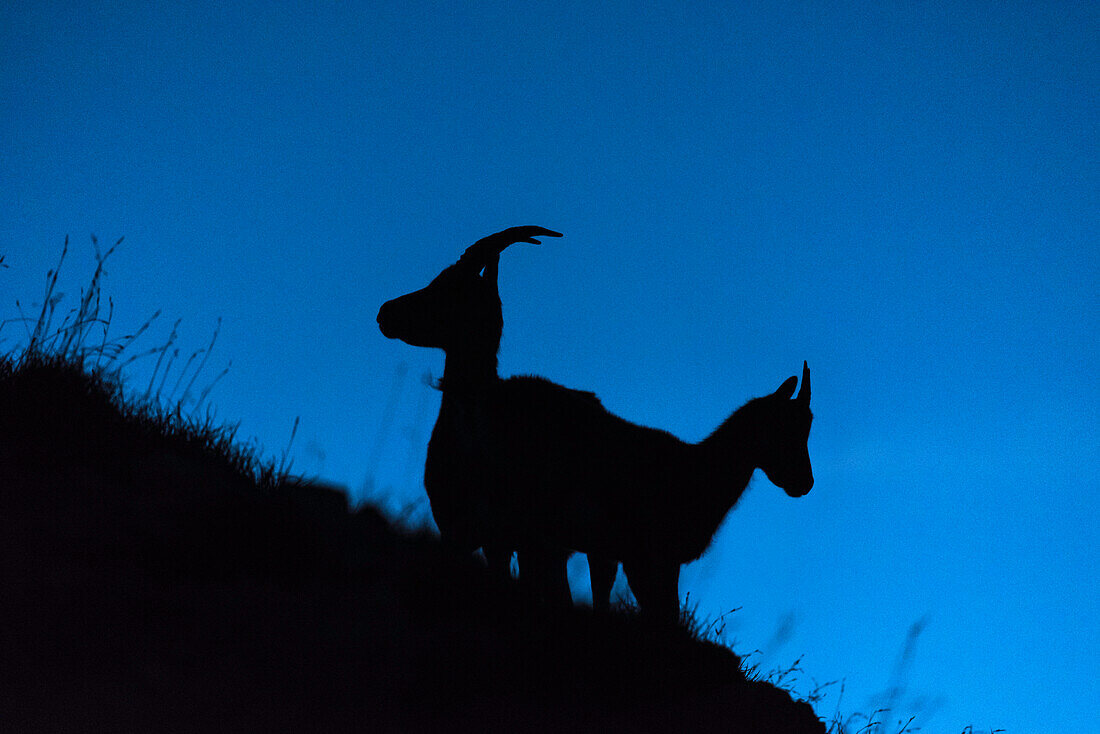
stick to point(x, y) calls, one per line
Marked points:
point(604, 518)
point(558, 509)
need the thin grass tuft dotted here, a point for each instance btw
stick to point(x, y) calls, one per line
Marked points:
point(78, 349)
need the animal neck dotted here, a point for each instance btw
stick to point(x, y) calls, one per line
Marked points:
point(468, 371)
point(730, 454)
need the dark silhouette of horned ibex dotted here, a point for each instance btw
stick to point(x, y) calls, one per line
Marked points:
point(459, 312)
point(525, 464)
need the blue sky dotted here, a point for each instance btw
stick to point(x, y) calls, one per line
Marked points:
point(903, 194)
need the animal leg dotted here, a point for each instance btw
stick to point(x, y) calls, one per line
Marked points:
point(499, 561)
point(656, 587)
point(545, 572)
point(602, 573)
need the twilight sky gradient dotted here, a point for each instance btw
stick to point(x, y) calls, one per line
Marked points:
point(903, 194)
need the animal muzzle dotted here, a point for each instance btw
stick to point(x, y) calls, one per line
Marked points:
point(384, 322)
point(388, 321)
point(801, 488)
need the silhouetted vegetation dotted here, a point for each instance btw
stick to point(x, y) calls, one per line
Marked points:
point(151, 581)
point(158, 576)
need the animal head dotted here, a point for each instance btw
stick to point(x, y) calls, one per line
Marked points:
point(784, 456)
point(460, 308)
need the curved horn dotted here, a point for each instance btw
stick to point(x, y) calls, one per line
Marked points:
point(481, 251)
point(804, 391)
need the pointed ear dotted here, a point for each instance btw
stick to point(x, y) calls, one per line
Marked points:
point(786, 390)
point(804, 391)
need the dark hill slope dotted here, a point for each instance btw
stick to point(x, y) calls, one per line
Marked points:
point(149, 582)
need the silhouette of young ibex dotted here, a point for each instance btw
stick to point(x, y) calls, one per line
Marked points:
point(525, 464)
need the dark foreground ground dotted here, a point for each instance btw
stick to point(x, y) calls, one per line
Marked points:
point(149, 582)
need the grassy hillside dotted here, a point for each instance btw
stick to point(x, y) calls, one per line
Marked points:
point(156, 577)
